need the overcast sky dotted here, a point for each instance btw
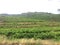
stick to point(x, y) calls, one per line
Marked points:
point(21, 6)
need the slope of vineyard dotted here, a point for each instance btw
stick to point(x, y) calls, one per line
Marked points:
point(37, 25)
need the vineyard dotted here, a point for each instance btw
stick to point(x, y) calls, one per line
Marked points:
point(35, 25)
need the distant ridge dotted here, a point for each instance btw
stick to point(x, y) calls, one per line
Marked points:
point(35, 15)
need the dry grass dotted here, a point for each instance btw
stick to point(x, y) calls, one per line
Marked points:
point(5, 41)
point(28, 42)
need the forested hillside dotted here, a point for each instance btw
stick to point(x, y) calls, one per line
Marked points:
point(32, 15)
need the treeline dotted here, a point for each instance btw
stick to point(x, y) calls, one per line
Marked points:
point(31, 15)
point(42, 16)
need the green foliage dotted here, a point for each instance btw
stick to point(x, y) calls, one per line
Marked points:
point(37, 33)
point(31, 25)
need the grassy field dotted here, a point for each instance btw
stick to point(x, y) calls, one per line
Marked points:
point(29, 42)
point(38, 27)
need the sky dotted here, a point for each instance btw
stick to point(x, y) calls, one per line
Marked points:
point(23, 6)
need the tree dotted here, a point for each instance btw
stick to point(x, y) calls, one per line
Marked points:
point(58, 11)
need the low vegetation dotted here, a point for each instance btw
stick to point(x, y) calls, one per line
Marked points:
point(37, 25)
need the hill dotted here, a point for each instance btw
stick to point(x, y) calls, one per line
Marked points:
point(37, 16)
point(37, 25)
